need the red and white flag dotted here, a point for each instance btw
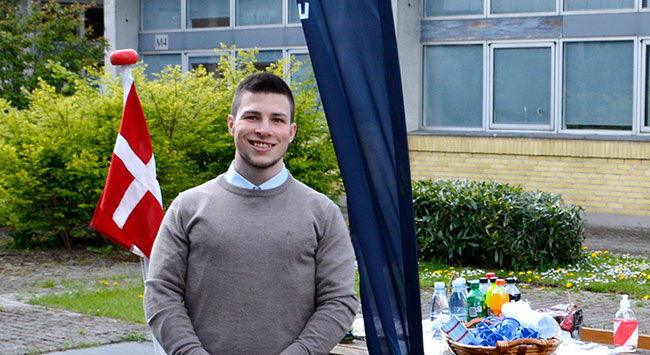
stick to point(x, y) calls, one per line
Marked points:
point(130, 209)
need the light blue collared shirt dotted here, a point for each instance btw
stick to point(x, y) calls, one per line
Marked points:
point(233, 178)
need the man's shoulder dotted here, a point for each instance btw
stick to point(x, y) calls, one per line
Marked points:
point(204, 190)
point(307, 193)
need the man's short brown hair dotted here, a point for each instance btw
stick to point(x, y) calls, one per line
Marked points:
point(266, 83)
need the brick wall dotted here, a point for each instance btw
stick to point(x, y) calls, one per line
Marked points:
point(608, 177)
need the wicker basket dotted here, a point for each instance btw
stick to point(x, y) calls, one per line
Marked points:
point(527, 346)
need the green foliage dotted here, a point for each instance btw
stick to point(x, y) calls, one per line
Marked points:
point(56, 153)
point(33, 40)
point(495, 225)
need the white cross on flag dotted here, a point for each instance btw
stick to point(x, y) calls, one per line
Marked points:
point(130, 209)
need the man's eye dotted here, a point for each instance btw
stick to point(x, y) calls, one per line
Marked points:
point(249, 117)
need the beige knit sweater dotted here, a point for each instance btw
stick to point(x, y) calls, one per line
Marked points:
point(238, 271)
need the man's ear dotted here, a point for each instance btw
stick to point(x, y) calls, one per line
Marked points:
point(294, 129)
point(231, 124)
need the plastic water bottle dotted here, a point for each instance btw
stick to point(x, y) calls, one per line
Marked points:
point(475, 301)
point(512, 289)
point(483, 285)
point(626, 326)
point(499, 297)
point(439, 303)
point(458, 300)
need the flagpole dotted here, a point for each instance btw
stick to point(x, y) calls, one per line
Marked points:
point(124, 58)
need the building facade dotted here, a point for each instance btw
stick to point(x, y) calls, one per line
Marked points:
point(549, 94)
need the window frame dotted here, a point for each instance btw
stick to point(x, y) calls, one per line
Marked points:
point(560, 95)
point(559, 10)
point(484, 88)
point(644, 53)
point(489, 121)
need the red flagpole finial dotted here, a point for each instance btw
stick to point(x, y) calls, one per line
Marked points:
point(124, 57)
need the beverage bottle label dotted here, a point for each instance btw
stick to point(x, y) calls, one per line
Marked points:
point(626, 332)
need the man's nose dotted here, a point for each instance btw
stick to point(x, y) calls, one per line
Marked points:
point(264, 126)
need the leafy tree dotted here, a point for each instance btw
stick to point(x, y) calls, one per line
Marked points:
point(32, 39)
point(56, 153)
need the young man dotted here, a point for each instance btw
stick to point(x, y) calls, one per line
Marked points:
point(253, 261)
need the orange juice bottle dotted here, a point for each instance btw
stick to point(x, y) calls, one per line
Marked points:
point(499, 297)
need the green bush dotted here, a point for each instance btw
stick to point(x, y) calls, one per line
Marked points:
point(55, 154)
point(488, 224)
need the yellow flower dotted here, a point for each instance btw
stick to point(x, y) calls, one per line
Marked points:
point(643, 273)
point(570, 274)
point(528, 272)
point(606, 252)
point(425, 269)
point(648, 277)
point(568, 284)
point(451, 268)
point(104, 282)
point(140, 295)
point(529, 280)
point(646, 297)
point(590, 275)
point(510, 273)
point(521, 272)
point(559, 269)
point(97, 290)
point(621, 276)
point(584, 248)
point(115, 283)
point(438, 272)
point(524, 286)
point(593, 255)
point(542, 288)
point(536, 277)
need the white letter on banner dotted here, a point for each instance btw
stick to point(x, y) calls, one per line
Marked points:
point(144, 180)
point(304, 15)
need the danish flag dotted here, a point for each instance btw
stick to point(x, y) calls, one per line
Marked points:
point(130, 211)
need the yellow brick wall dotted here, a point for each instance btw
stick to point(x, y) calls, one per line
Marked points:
point(602, 176)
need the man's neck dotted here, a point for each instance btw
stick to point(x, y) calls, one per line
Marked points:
point(257, 176)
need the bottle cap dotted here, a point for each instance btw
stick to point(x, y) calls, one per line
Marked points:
point(501, 282)
point(439, 285)
point(493, 279)
point(510, 280)
point(490, 275)
point(483, 280)
point(474, 284)
point(459, 282)
point(625, 303)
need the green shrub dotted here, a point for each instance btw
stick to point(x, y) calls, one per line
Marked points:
point(55, 154)
point(489, 224)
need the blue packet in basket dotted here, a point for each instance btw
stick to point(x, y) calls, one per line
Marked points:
point(457, 331)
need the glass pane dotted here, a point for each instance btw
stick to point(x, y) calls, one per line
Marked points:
point(208, 13)
point(453, 86)
point(452, 7)
point(514, 6)
point(157, 62)
point(598, 85)
point(304, 69)
point(647, 86)
point(161, 14)
point(646, 3)
point(522, 86)
point(292, 7)
point(570, 5)
point(258, 12)
point(210, 63)
point(265, 57)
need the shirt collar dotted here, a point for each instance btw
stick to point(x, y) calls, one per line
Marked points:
point(233, 178)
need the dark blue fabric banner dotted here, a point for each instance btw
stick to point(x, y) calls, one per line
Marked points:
point(353, 50)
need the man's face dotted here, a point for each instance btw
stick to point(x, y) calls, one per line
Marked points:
point(262, 132)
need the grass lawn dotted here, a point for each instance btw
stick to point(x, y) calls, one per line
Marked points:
point(110, 299)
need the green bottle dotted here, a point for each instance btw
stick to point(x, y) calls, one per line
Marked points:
point(493, 284)
point(475, 301)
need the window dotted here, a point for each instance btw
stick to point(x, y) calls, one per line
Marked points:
point(570, 5)
point(210, 63)
point(453, 86)
point(157, 62)
point(598, 85)
point(453, 7)
point(258, 12)
point(292, 8)
point(522, 87)
point(516, 6)
point(161, 14)
point(265, 57)
point(647, 86)
point(208, 13)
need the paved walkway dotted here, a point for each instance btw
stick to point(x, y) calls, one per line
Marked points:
point(31, 329)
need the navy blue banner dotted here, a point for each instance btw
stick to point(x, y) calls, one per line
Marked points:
point(353, 50)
